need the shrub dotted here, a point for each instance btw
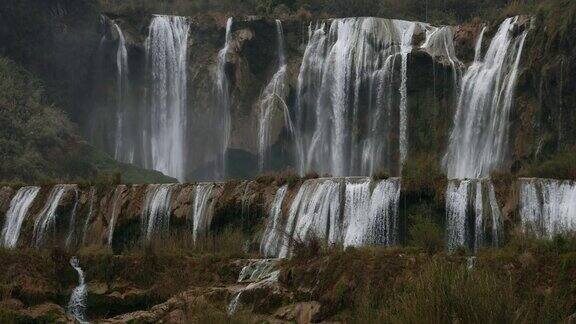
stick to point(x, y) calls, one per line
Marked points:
point(426, 234)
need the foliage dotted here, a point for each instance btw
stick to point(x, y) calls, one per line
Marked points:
point(426, 235)
point(559, 166)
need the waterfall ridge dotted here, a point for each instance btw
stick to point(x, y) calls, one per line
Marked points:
point(273, 234)
point(15, 215)
point(202, 209)
point(156, 213)
point(117, 200)
point(47, 216)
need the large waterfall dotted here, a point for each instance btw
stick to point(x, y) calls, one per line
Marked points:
point(18, 210)
point(78, 300)
point(473, 217)
point(479, 139)
point(224, 114)
point(273, 100)
point(124, 147)
point(351, 211)
point(46, 219)
point(351, 97)
point(202, 209)
point(156, 213)
point(548, 207)
point(164, 125)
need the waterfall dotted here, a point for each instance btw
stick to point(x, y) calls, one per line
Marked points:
point(15, 215)
point(223, 93)
point(117, 200)
point(479, 139)
point(47, 216)
point(478, 47)
point(90, 212)
point(548, 207)
point(439, 44)
point(371, 217)
point(314, 213)
point(273, 234)
point(351, 211)
point(260, 273)
point(72, 226)
point(202, 209)
point(348, 96)
point(470, 204)
point(165, 123)
point(156, 213)
point(124, 150)
point(78, 300)
point(272, 100)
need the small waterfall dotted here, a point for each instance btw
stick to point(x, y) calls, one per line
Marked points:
point(224, 116)
point(78, 300)
point(314, 212)
point(89, 216)
point(156, 213)
point(371, 217)
point(117, 203)
point(273, 234)
point(124, 150)
point(202, 209)
point(46, 219)
point(72, 226)
point(165, 123)
point(548, 207)
point(470, 204)
point(259, 273)
point(478, 47)
point(348, 96)
point(19, 206)
point(479, 138)
point(439, 44)
point(272, 100)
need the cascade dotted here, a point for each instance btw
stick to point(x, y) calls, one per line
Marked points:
point(479, 138)
point(273, 233)
point(371, 217)
point(348, 97)
point(478, 47)
point(90, 212)
point(439, 44)
point(548, 207)
point(259, 273)
point(472, 214)
point(72, 226)
point(47, 216)
point(156, 213)
point(223, 93)
point(124, 150)
point(78, 300)
point(117, 202)
point(314, 213)
point(272, 100)
point(15, 215)
point(202, 209)
point(165, 122)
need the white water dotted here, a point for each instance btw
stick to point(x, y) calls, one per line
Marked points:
point(478, 47)
point(479, 139)
point(548, 207)
point(272, 102)
point(15, 215)
point(273, 234)
point(439, 44)
point(260, 274)
point(224, 114)
point(124, 149)
point(46, 219)
point(116, 203)
point(469, 204)
point(202, 209)
point(78, 300)
point(89, 216)
point(156, 213)
point(371, 217)
point(348, 97)
point(72, 226)
point(165, 122)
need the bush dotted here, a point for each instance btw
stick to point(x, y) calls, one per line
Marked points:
point(426, 234)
